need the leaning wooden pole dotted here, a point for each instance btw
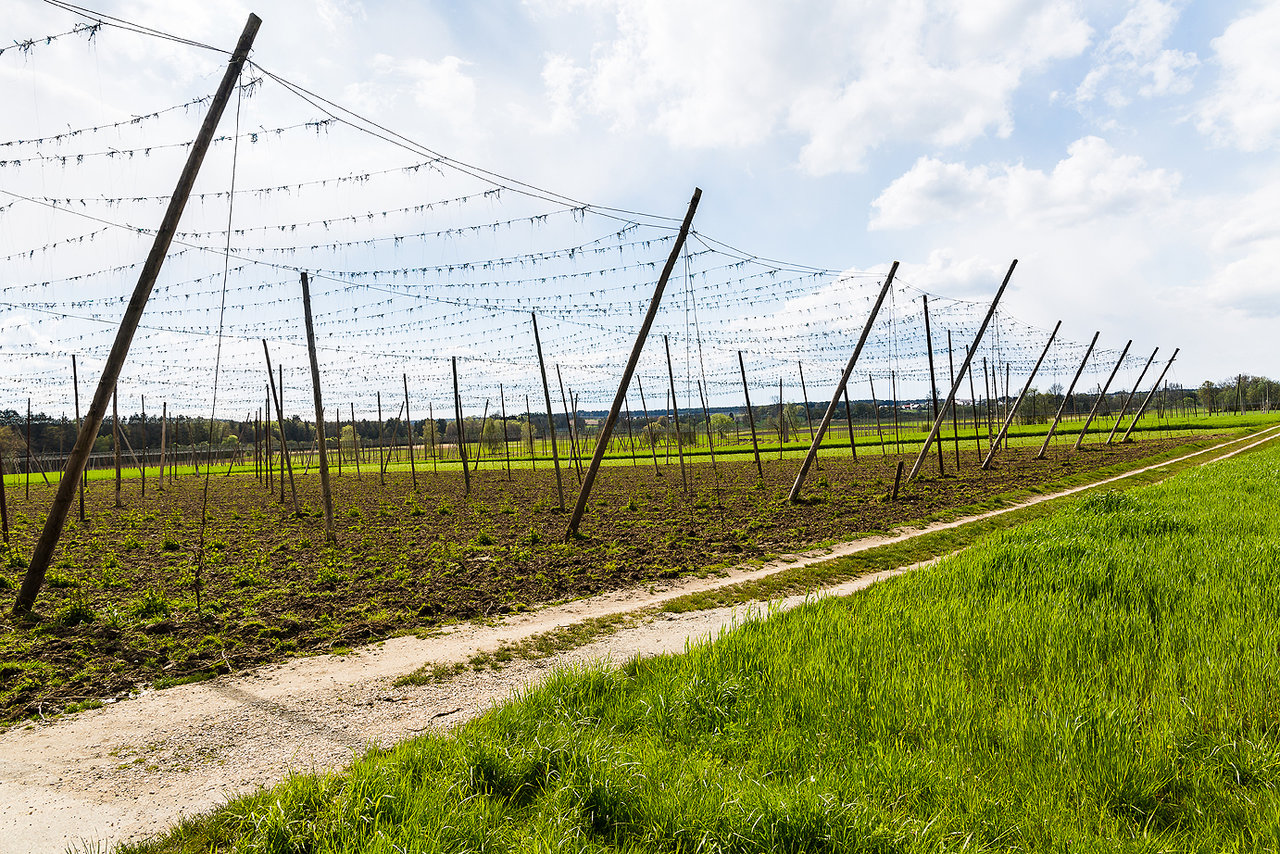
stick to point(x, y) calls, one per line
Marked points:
point(602, 441)
point(551, 415)
point(794, 496)
point(1102, 395)
point(462, 432)
point(955, 387)
point(76, 461)
point(1129, 398)
point(933, 377)
point(1146, 402)
point(1004, 429)
point(1062, 407)
point(284, 444)
point(751, 417)
point(675, 413)
point(315, 388)
point(75, 385)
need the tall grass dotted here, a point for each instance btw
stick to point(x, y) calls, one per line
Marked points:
point(1104, 679)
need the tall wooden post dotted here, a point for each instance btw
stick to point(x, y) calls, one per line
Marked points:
point(1129, 398)
point(1063, 406)
point(751, 417)
point(875, 404)
point(4, 503)
point(75, 385)
point(606, 430)
point(973, 404)
point(675, 412)
point(355, 438)
point(631, 436)
point(142, 469)
point(937, 423)
point(986, 392)
point(79, 456)
point(955, 416)
point(844, 379)
point(1004, 430)
point(805, 391)
point(933, 378)
point(115, 443)
point(382, 445)
point(506, 445)
point(164, 439)
point(315, 388)
point(848, 417)
point(1101, 396)
point(484, 420)
point(462, 430)
point(782, 430)
point(284, 444)
point(408, 420)
point(551, 415)
point(653, 444)
point(1150, 394)
point(569, 427)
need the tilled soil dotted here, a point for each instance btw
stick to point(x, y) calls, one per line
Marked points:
point(130, 603)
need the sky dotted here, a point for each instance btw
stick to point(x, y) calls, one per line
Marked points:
point(1124, 153)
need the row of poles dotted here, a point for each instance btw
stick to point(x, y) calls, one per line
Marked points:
point(88, 431)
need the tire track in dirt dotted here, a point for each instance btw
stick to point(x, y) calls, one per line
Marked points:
point(132, 769)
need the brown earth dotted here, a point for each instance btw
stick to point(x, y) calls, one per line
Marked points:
point(120, 607)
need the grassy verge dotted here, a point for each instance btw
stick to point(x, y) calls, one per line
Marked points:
point(1103, 678)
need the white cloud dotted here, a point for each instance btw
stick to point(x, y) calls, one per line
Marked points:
point(1248, 243)
point(1244, 109)
point(844, 79)
point(1092, 182)
point(1133, 58)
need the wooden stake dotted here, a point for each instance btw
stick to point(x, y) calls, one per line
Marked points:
point(506, 445)
point(937, 423)
point(315, 389)
point(284, 443)
point(606, 430)
point(955, 416)
point(631, 436)
point(1004, 430)
point(408, 419)
point(1101, 396)
point(1063, 406)
point(875, 404)
point(848, 417)
point(462, 431)
point(569, 425)
point(1129, 398)
point(551, 416)
point(142, 469)
point(751, 417)
point(653, 445)
point(164, 438)
point(973, 405)
point(480, 444)
point(675, 412)
point(933, 377)
point(79, 456)
point(4, 503)
point(75, 385)
point(1151, 394)
point(382, 445)
point(115, 442)
point(355, 438)
point(804, 391)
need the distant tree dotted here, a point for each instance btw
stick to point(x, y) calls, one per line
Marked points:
point(721, 424)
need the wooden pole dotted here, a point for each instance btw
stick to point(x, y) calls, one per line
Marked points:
point(840, 386)
point(751, 417)
point(79, 456)
point(284, 444)
point(551, 416)
point(266, 429)
point(502, 401)
point(606, 430)
point(653, 445)
point(1004, 430)
point(355, 438)
point(4, 503)
point(1129, 398)
point(631, 436)
point(848, 417)
point(115, 444)
point(706, 417)
point(408, 420)
point(480, 444)
point(75, 385)
point(933, 377)
point(382, 445)
point(675, 411)
point(1101, 396)
point(569, 426)
point(164, 439)
point(1063, 406)
point(1150, 394)
point(875, 404)
point(462, 430)
point(142, 469)
point(315, 388)
point(937, 423)
point(804, 391)
point(893, 390)
point(973, 405)
point(782, 435)
point(955, 416)
point(528, 414)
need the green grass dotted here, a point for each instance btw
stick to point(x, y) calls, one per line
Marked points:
point(1105, 678)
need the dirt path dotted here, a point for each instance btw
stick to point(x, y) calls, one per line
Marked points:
point(131, 769)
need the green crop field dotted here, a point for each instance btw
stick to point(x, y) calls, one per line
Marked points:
point(1106, 678)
